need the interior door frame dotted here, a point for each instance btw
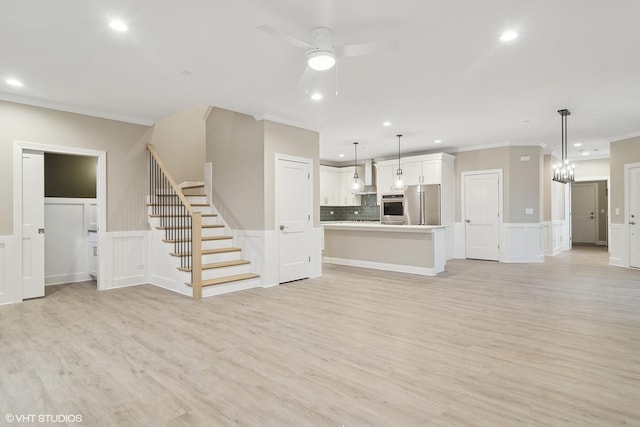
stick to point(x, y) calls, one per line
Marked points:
point(309, 162)
point(596, 209)
point(101, 194)
point(627, 191)
point(608, 190)
point(463, 211)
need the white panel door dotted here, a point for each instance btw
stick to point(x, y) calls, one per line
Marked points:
point(482, 216)
point(294, 218)
point(584, 199)
point(634, 217)
point(32, 225)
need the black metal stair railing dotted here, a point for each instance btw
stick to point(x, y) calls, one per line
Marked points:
point(180, 223)
point(174, 216)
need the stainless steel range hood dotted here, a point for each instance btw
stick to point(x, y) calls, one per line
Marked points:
point(369, 179)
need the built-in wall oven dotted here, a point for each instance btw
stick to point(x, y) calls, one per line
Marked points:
point(392, 209)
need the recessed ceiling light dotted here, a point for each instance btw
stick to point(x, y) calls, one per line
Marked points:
point(340, 155)
point(577, 144)
point(316, 96)
point(386, 123)
point(437, 141)
point(14, 82)
point(585, 153)
point(118, 25)
point(508, 36)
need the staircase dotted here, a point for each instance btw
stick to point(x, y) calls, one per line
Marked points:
point(195, 239)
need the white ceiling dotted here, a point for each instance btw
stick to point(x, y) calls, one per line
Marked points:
point(452, 79)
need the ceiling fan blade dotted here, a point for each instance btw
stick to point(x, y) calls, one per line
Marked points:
point(269, 29)
point(361, 49)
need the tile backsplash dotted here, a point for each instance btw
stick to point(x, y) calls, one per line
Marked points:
point(366, 211)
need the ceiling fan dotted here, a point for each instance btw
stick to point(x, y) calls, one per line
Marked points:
point(322, 54)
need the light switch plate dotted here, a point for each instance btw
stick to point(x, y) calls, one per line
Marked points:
point(617, 211)
point(528, 211)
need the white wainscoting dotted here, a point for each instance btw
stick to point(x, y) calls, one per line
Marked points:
point(553, 233)
point(67, 221)
point(124, 260)
point(459, 249)
point(618, 246)
point(10, 282)
point(522, 242)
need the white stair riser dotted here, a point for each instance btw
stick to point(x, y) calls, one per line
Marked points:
point(227, 256)
point(197, 199)
point(226, 288)
point(214, 273)
point(217, 244)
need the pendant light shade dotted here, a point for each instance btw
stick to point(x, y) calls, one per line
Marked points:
point(564, 172)
point(357, 184)
point(398, 184)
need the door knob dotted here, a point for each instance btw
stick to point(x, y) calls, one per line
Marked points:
point(468, 220)
point(40, 230)
point(282, 227)
point(591, 217)
point(632, 222)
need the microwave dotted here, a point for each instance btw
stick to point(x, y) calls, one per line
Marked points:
point(392, 209)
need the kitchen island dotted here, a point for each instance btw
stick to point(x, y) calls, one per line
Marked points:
point(416, 249)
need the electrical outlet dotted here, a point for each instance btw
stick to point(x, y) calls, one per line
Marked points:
point(355, 212)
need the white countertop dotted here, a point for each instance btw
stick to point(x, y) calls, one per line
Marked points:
point(375, 226)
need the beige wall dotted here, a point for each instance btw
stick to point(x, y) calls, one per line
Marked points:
point(124, 144)
point(521, 180)
point(284, 139)
point(236, 150)
point(180, 141)
point(621, 153)
point(587, 169)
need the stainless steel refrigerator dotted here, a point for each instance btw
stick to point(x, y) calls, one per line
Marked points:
point(422, 204)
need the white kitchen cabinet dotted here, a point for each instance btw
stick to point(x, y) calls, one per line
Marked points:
point(329, 186)
point(423, 169)
point(335, 186)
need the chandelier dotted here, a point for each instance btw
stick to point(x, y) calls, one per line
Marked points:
point(564, 172)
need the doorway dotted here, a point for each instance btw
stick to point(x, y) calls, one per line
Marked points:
point(294, 206)
point(482, 213)
point(589, 212)
point(27, 252)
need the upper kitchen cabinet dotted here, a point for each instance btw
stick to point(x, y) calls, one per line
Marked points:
point(335, 186)
point(424, 169)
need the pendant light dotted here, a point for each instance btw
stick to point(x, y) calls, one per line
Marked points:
point(564, 172)
point(398, 185)
point(357, 185)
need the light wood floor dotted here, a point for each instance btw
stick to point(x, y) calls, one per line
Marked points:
point(484, 344)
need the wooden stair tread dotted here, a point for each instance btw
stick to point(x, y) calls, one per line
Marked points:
point(209, 251)
point(189, 187)
point(176, 204)
point(189, 227)
point(209, 215)
point(227, 279)
point(204, 239)
point(222, 264)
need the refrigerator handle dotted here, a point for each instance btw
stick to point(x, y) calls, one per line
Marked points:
point(421, 204)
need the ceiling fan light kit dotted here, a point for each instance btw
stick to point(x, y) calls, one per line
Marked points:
point(321, 60)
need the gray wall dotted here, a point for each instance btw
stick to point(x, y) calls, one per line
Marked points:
point(621, 153)
point(180, 141)
point(123, 142)
point(235, 148)
point(284, 139)
point(553, 192)
point(521, 180)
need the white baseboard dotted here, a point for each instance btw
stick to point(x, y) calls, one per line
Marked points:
point(423, 271)
point(66, 278)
